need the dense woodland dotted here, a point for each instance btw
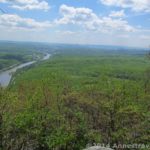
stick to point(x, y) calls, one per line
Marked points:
point(77, 98)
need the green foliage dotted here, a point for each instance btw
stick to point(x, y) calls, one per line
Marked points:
point(71, 101)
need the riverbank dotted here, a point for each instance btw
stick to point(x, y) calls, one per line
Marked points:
point(17, 64)
point(6, 76)
point(10, 67)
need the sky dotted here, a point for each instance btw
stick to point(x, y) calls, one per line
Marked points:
point(102, 22)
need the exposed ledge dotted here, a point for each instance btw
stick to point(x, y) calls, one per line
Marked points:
point(97, 148)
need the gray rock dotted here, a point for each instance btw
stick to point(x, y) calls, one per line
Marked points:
point(97, 148)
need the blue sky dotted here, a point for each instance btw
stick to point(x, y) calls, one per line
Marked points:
point(104, 22)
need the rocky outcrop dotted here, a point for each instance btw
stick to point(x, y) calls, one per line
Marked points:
point(97, 148)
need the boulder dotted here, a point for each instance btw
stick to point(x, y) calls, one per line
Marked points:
point(97, 148)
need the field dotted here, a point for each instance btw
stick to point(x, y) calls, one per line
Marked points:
point(79, 96)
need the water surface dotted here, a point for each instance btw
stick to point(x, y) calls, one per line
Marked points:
point(5, 76)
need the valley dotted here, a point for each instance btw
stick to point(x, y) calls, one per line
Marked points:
point(81, 95)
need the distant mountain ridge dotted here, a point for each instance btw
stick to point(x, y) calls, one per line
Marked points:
point(106, 47)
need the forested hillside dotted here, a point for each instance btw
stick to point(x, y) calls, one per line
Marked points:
point(15, 53)
point(77, 98)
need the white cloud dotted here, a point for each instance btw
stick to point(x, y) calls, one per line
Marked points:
point(135, 5)
point(117, 14)
point(117, 24)
point(86, 18)
point(75, 15)
point(75, 25)
point(14, 21)
point(27, 4)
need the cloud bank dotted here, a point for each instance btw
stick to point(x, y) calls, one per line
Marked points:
point(135, 5)
point(85, 17)
point(14, 21)
point(27, 4)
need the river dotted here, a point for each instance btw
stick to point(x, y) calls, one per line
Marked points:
point(5, 76)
